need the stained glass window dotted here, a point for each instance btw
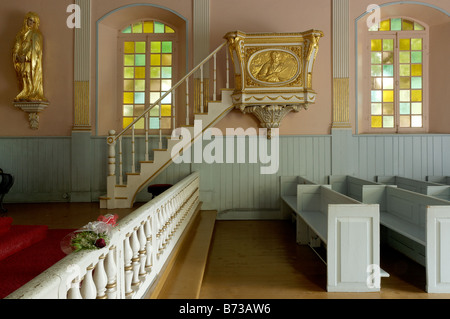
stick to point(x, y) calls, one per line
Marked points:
point(148, 62)
point(396, 71)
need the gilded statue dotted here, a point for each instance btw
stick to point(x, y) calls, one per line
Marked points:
point(27, 59)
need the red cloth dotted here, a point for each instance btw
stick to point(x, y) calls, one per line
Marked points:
point(5, 224)
point(20, 237)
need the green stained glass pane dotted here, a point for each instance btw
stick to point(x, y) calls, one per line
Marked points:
point(416, 108)
point(140, 47)
point(376, 70)
point(377, 121)
point(128, 60)
point(155, 47)
point(388, 121)
point(166, 110)
point(377, 83)
point(388, 44)
point(166, 72)
point(377, 109)
point(405, 108)
point(388, 96)
point(385, 25)
point(418, 26)
point(407, 25)
point(416, 57)
point(140, 73)
point(405, 121)
point(405, 44)
point(396, 24)
point(388, 70)
point(166, 85)
point(128, 98)
point(137, 27)
point(165, 123)
point(167, 47)
point(155, 72)
point(155, 111)
point(154, 96)
point(416, 69)
point(376, 96)
point(376, 45)
point(154, 123)
point(405, 95)
point(416, 121)
point(140, 59)
point(128, 110)
point(128, 85)
point(139, 97)
point(159, 27)
point(405, 70)
point(416, 95)
point(388, 108)
point(127, 30)
point(128, 73)
point(139, 85)
point(388, 57)
point(405, 82)
point(376, 58)
point(416, 82)
point(388, 83)
point(155, 85)
point(405, 57)
point(128, 47)
point(416, 44)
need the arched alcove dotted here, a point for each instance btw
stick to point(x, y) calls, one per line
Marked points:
point(108, 108)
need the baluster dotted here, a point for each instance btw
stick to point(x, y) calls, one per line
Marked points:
point(228, 69)
point(88, 289)
point(201, 88)
point(149, 237)
point(215, 78)
point(146, 135)
point(111, 272)
point(133, 154)
point(142, 249)
point(135, 259)
point(187, 101)
point(160, 129)
point(74, 291)
point(100, 278)
point(120, 162)
point(112, 153)
point(128, 254)
point(174, 124)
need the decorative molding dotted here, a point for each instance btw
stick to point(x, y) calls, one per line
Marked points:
point(81, 105)
point(341, 103)
point(33, 109)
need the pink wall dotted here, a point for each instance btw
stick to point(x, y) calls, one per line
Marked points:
point(57, 119)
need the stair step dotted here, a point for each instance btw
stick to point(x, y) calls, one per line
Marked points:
point(185, 279)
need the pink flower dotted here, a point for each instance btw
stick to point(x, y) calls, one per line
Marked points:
point(100, 243)
point(108, 219)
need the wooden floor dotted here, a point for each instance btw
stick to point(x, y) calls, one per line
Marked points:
point(251, 259)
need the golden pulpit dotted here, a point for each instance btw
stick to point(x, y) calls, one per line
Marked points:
point(273, 73)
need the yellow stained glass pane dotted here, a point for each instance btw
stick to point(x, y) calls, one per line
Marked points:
point(405, 70)
point(416, 95)
point(148, 27)
point(156, 59)
point(137, 27)
point(128, 85)
point(388, 44)
point(166, 123)
point(140, 125)
point(139, 85)
point(416, 69)
point(128, 72)
point(128, 60)
point(155, 111)
point(127, 121)
point(128, 47)
point(138, 110)
point(407, 25)
point(128, 97)
point(418, 26)
point(385, 25)
point(167, 59)
point(405, 57)
point(166, 110)
point(405, 82)
point(156, 46)
point(376, 44)
point(416, 44)
point(405, 44)
point(140, 73)
point(140, 47)
point(388, 96)
point(155, 85)
point(388, 108)
point(169, 29)
point(377, 121)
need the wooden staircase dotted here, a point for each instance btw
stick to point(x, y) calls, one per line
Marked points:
point(124, 196)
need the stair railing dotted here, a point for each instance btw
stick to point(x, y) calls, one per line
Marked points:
point(114, 138)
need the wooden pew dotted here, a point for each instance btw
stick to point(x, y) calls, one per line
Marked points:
point(348, 229)
point(418, 226)
point(445, 180)
point(407, 183)
point(349, 185)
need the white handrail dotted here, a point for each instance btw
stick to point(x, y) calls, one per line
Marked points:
point(140, 245)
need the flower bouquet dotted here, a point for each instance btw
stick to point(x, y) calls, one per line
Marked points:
point(94, 235)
